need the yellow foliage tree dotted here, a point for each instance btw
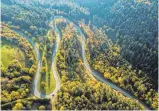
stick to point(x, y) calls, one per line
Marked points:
point(107, 75)
point(18, 106)
point(62, 108)
point(41, 107)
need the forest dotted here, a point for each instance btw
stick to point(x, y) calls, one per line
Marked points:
point(79, 55)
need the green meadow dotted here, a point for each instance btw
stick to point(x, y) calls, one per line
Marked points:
point(10, 52)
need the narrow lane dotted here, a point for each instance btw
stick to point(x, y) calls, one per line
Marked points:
point(96, 74)
point(37, 76)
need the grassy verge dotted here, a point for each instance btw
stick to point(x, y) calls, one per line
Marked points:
point(48, 77)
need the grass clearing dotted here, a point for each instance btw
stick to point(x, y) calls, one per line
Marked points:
point(9, 52)
point(51, 82)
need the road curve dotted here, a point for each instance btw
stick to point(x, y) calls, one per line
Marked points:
point(96, 74)
point(54, 69)
point(37, 76)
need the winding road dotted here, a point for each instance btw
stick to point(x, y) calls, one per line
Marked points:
point(96, 74)
point(37, 76)
point(93, 73)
